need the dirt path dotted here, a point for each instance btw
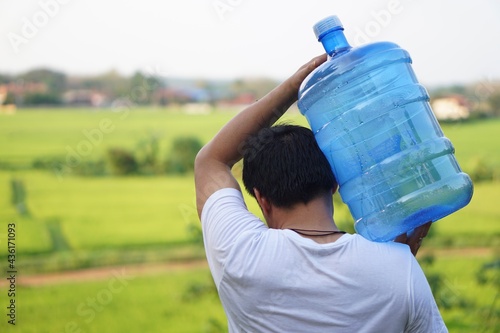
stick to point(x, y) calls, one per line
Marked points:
point(103, 273)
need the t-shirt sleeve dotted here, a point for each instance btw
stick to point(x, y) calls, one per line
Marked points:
point(424, 313)
point(224, 218)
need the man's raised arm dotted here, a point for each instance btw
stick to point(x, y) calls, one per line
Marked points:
point(213, 163)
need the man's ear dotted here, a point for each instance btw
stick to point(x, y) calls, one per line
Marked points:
point(335, 189)
point(264, 204)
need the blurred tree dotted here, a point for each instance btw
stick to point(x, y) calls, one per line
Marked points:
point(489, 274)
point(18, 196)
point(111, 83)
point(42, 99)
point(122, 162)
point(494, 102)
point(5, 78)
point(10, 99)
point(55, 81)
point(148, 154)
point(57, 236)
point(257, 86)
point(448, 90)
point(182, 155)
point(142, 87)
point(444, 293)
point(114, 83)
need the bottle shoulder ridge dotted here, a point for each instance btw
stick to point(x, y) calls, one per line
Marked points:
point(346, 61)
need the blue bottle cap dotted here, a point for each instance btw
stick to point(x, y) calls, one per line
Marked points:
point(326, 25)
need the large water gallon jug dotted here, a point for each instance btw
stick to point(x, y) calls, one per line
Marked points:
point(372, 120)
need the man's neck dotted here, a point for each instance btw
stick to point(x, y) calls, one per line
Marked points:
point(317, 215)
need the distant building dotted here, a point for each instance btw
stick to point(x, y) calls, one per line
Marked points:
point(239, 101)
point(83, 97)
point(7, 108)
point(3, 94)
point(197, 108)
point(179, 95)
point(453, 107)
point(17, 91)
point(244, 99)
point(21, 87)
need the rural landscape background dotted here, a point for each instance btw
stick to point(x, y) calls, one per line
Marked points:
point(98, 225)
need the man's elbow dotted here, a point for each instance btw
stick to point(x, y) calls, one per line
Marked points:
point(201, 158)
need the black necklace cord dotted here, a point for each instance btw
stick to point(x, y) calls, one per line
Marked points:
point(319, 233)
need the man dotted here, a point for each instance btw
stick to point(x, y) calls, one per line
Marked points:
point(298, 273)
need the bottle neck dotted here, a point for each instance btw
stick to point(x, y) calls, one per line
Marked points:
point(335, 42)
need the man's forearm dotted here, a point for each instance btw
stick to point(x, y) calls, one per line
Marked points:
point(225, 147)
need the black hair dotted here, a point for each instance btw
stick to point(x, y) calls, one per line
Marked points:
point(286, 165)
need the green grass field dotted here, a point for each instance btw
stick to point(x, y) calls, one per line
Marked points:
point(40, 132)
point(37, 133)
point(115, 220)
point(476, 305)
point(107, 212)
point(122, 302)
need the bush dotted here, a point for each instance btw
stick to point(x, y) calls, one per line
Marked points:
point(182, 154)
point(47, 162)
point(57, 236)
point(494, 102)
point(42, 99)
point(122, 162)
point(147, 155)
point(91, 168)
point(480, 170)
point(58, 165)
point(18, 196)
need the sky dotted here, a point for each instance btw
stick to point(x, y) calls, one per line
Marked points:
point(450, 41)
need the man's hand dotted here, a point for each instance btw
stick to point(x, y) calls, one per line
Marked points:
point(300, 75)
point(414, 241)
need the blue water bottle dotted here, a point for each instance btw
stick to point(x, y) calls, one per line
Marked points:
point(372, 120)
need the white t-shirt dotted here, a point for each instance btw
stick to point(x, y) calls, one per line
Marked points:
point(273, 280)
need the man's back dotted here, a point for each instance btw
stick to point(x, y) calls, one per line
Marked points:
point(277, 281)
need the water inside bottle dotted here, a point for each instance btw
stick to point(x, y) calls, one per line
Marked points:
point(373, 122)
